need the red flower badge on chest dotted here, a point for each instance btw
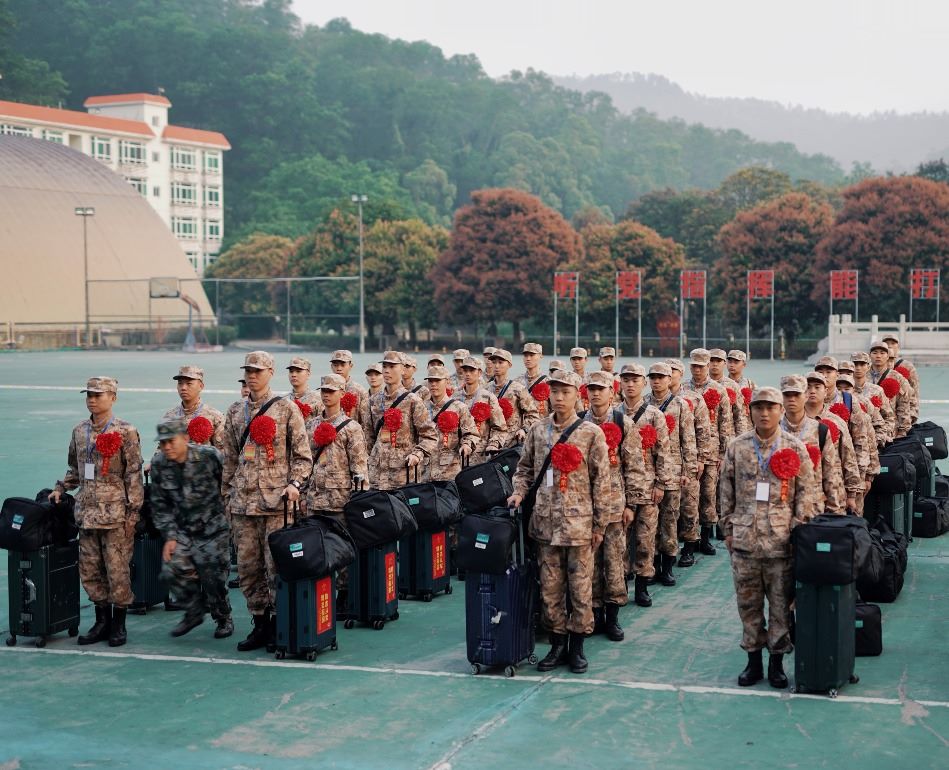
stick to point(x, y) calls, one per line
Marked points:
point(348, 402)
point(670, 422)
point(841, 411)
point(785, 464)
point(392, 419)
point(832, 427)
point(566, 458)
point(890, 387)
point(814, 451)
point(613, 437)
point(746, 394)
point(876, 401)
point(507, 408)
point(305, 409)
point(481, 412)
point(712, 399)
point(447, 423)
point(902, 370)
point(541, 392)
point(200, 430)
point(108, 444)
point(325, 434)
point(263, 431)
point(648, 436)
point(732, 395)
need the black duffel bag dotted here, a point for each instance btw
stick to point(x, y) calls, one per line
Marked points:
point(933, 437)
point(507, 459)
point(930, 516)
point(942, 485)
point(913, 446)
point(869, 630)
point(25, 525)
point(830, 549)
point(312, 547)
point(434, 504)
point(375, 517)
point(63, 515)
point(887, 584)
point(486, 542)
point(483, 487)
point(897, 474)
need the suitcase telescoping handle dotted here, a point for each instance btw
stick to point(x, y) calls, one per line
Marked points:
point(296, 510)
point(516, 517)
point(359, 483)
point(407, 482)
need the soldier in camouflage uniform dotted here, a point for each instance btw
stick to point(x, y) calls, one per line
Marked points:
point(409, 366)
point(341, 362)
point(720, 419)
point(739, 409)
point(188, 510)
point(864, 386)
point(759, 510)
point(109, 497)
point(493, 431)
point(607, 359)
point(298, 372)
point(902, 401)
point(689, 499)
point(570, 516)
point(457, 381)
point(376, 385)
point(190, 381)
point(659, 477)
point(865, 410)
point(900, 364)
point(523, 407)
point(682, 460)
point(845, 368)
point(256, 479)
point(414, 439)
point(736, 362)
point(533, 375)
point(829, 495)
point(445, 461)
point(628, 483)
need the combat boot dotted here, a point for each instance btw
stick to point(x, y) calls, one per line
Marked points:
point(687, 559)
point(719, 532)
point(656, 569)
point(578, 663)
point(557, 655)
point(776, 675)
point(754, 671)
point(641, 596)
point(225, 627)
point(234, 582)
point(100, 629)
point(705, 546)
point(117, 634)
point(188, 622)
point(598, 624)
point(258, 635)
point(666, 577)
point(614, 631)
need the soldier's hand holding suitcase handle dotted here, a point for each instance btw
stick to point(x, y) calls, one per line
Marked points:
point(168, 549)
point(55, 496)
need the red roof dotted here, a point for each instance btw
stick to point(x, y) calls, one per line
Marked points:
point(38, 114)
point(195, 136)
point(92, 101)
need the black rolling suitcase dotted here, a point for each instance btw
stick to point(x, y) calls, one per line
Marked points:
point(868, 639)
point(825, 643)
point(306, 616)
point(372, 596)
point(148, 588)
point(43, 592)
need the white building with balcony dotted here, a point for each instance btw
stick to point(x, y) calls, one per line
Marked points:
point(178, 170)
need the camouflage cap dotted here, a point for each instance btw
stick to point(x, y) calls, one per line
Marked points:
point(860, 357)
point(504, 355)
point(332, 382)
point(460, 355)
point(437, 358)
point(408, 360)
point(170, 428)
point(879, 345)
point(488, 352)
point(675, 363)
point(190, 373)
point(845, 366)
point(437, 372)
point(738, 355)
point(343, 356)
point(717, 353)
point(630, 370)
point(660, 368)
point(101, 385)
point(298, 362)
point(374, 367)
point(473, 362)
point(699, 356)
point(767, 395)
point(557, 364)
point(845, 378)
point(890, 337)
point(392, 357)
point(578, 352)
point(829, 361)
point(533, 347)
point(600, 379)
point(242, 381)
point(258, 359)
point(816, 377)
point(607, 351)
point(793, 383)
point(563, 377)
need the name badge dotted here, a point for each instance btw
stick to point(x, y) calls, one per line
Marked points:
point(250, 450)
point(550, 477)
point(89, 471)
point(763, 492)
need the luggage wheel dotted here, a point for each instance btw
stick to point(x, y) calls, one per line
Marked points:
point(395, 616)
point(854, 679)
point(334, 645)
point(475, 668)
point(11, 641)
point(280, 654)
point(532, 659)
point(74, 631)
point(311, 656)
point(378, 625)
point(509, 671)
point(349, 623)
point(832, 692)
point(448, 590)
point(427, 597)
point(40, 642)
point(402, 595)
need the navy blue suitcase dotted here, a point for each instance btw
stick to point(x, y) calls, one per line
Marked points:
point(306, 616)
point(372, 596)
point(424, 565)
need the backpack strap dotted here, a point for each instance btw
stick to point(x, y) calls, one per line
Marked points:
point(822, 431)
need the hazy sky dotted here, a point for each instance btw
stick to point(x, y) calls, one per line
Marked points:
point(841, 55)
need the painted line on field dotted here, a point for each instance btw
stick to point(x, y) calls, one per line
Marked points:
point(569, 681)
point(75, 389)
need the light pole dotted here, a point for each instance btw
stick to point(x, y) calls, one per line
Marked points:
point(360, 199)
point(85, 212)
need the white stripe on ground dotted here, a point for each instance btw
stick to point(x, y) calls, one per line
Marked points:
point(75, 389)
point(574, 681)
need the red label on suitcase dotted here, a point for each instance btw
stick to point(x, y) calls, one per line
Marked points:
point(390, 577)
point(438, 555)
point(324, 605)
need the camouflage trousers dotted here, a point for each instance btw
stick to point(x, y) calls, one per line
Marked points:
point(197, 575)
point(756, 579)
point(104, 559)
point(689, 511)
point(645, 527)
point(669, 522)
point(609, 568)
point(860, 496)
point(255, 567)
point(563, 569)
point(708, 495)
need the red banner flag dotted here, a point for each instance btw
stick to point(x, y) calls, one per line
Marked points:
point(565, 285)
point(692, 284)
point(924, 284)
point(843, 284)
point(760, 284)
point(628, 284)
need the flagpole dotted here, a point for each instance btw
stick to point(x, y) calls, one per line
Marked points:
point(938, 280)
point(576, 317)
point(681, 311)
point(856, 295)
point(832, 291)
point(555, 315)
point(639, 280)
point(704, 308)
point(616, 293)
point(772, 315)
point(912, 272)
point(748, 312)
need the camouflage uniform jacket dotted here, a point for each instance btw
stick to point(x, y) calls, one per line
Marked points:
point(361, 395)
point(682, 447)
point(525, 408)
point(878, 400)
point(584, 509)
point(762, 529)
point(334, 465)
point(861, 433)
point(493, 433)
point(913, 380)
point(200, 410)
point(367, 418)
point(721, 422)
point(901, 402)
point(659, 461)
point(828, 488)
point(853, 480)
point(703, 426)
point(628, 481)
point(420, 390)
point(309, 397)
point(445, 461)
point(186, 497)
point(740, 411)
point(253, 484)
point(542, 407)
point(416, 436)
point(110, 499)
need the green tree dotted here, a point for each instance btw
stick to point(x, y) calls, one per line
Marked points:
point(23, 78)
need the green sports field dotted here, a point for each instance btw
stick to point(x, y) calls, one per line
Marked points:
point(403, 697)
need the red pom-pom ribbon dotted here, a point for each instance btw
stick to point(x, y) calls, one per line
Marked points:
point(876, 401)
point(841, 411)
point(107, 445)
point(481, 413)
point(450, 392)
point(746, 394)
point(902, 370)
point(325, 434)
point(263, 431)
point(541, 392)
point(566, 458)
point(348, 402)
point(447, 423)
point(305, 409)
point(834, 430)
point(890, 387)
point(584, 393)
point(814, 451)
point(785, 464)
point(613, 437)
point(649, 436)
point(200, 430)
point(392, 419)
point(732, 395)
point(507, 408)
point(670, 422)
point(616, 386)
point(712, 399)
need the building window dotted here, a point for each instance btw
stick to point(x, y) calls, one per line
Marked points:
point(53, 136)
point(194, 258)
point(212, 230)
point(101, 148)
point(154, 120)
point(183, 159)
point(185, 227)
point(212, 197)
point(11, 130)
point(212, 162)
point(131, 152)
point(156, 192)
point(156, 157)
point(184, 194)
point(139, 184)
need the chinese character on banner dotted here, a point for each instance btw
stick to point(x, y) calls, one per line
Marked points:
point(692, 284)
point(628, 285)
point(565, 285)
point(924, 283)
point(843, 284)
point(760, 284)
